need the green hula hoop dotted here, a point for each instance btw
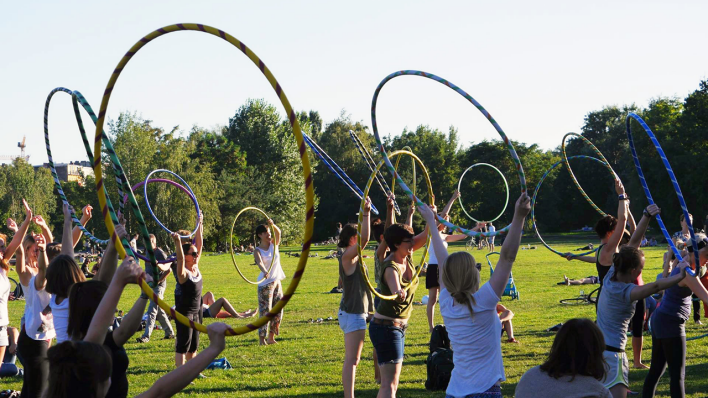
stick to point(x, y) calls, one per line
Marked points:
point(393, 183)
point(506, 184)
point(231, 244)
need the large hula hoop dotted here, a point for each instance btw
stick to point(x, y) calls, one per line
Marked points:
point(364, 152)
point(359, 249)
point(506, 184)
point(572, 176)
point(507, 142)
point(167, 181)
point(398, 160)
point(677, 189)
point(297, 132)
point(191, 194)
point(535, 194)
point(231, 244)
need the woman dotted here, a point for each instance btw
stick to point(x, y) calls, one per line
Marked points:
point(357, 303)
point(388, 327)
point(189, 301)
point(270, 291)
point(212, 308)
point(668, 333)
point(569, 376)
point(432, 277)
point(86, 368)
point(469, 310)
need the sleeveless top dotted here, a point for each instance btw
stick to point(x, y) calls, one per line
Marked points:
point(433, 258)
point(39, 323)
point(356, 298)
point(60, 313)
point(119, 379)
point(276, 273)
point(393, 308)
point(4, 296)
point(601, 269)
point(677, 300)
point(190, 300)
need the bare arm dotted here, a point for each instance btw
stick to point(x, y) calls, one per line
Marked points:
point(20, 234)
point(276, 232)
point(22, 270)
point(630, 220)
point(85, 217)
point(455, 238)
point(390, 217)
point(641, 229)
point(173, 382)
point(110, 256)
point(394, 285)
point(448, 205)
point(40, 281)
point(131, 322)
point(508, 252)
point(259, 262)
point(350, 256)
point(67, 243)
point(181, 272)
point(697, 288)
point(428, 214)
point(409, 215)
point(641, 292)
point(611, 247)
point(46, 232)
point(199, 236)
point(588, 259)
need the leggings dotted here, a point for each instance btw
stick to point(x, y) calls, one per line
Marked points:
point(36, 374)
point(637, 324)
point(268, 297)
point(672, 352)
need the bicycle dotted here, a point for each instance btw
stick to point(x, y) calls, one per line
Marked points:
point(582, 299)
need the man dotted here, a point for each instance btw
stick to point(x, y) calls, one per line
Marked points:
point(154, 311)
point(491, 238)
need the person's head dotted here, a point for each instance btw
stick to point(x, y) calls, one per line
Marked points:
point(460, 277)
point(626, 237)
point(84, 298)
point(577, 350)
point(702, 242)
point(153, 241)
point(339, 225)
point(61, 274)
point(263, 234)
point(399, 238)
point(377, 228)
point(182, 233)
point(683, 220)
point(191, 254)
point(605, 226)
point(53, 250)
point(628, 261)
point(348, 236)
point(78, 369)
point(29, 245)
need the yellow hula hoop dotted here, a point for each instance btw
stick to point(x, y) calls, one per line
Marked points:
point(297, 132)
point(361, 216)
point(393, 184)
point(231, 244)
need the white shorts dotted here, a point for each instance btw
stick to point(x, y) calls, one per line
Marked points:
point(351, 322)
point(618, 369)
point(4, 341)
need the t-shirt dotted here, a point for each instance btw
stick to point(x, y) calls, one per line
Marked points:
point(535, 383)
point(159, 256)
point(614, 310)
point(119, 379)
point(60, 313)
point(475, 341)
point(39, 320)
point(4, 296)
point(276, 272)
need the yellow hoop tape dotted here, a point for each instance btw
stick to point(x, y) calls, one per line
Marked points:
point(231, 242)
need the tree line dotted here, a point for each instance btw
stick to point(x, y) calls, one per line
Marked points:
point(252, 160)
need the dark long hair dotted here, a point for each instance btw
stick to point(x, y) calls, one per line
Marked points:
point(627, 259)
point(76, 369)
point(61, 274)
point(577, 350)
point(84, 298)
point(345, 236)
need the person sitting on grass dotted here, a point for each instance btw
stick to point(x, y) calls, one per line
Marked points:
point(505, 316)
point(212, 308)
point(574, 366)
point(590, 280)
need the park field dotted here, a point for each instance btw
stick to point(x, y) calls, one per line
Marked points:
point(308, 359)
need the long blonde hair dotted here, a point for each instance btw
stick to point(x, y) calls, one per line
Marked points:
point(461, 278)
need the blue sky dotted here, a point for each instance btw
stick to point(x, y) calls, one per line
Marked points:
point(538, 67)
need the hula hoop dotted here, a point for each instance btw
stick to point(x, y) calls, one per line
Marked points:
point(398, 160)
point(572, 176)
point(307, 176)
point(507, 142)
point(535, 194)
point(506, 184)
point(140, 184)
point(191, 194)
point(364, 152)
point(334, 168)
point(361, 217)
point(677, 189)
point(231, 244)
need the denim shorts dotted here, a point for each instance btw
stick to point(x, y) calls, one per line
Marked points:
point(351, 322)
point(388, 342)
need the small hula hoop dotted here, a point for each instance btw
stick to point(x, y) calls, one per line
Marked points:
point(506, 184)
point(535, 194)
point(364, 152)
point(677, 189)
point(165, 180)
point(572, 176)
point(359, 249)
point(109, 216)
point(191, 195)
point(507, 142)
point(231, 244)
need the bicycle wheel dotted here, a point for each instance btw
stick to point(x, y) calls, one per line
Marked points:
point(592, 297)
point(575, 301)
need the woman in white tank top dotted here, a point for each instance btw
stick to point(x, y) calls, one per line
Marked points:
point(270, 291)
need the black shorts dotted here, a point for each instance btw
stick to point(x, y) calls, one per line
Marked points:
point(188, 338)
point(431, 278)
point(206, 313)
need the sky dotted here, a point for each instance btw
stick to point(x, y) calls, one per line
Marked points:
point(537, 67)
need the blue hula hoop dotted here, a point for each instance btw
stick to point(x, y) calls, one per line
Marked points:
point(191, 193)
point(334, 168)
point(672, 176)
point(364, 152)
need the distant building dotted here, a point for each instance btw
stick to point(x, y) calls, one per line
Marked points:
point(72, 171)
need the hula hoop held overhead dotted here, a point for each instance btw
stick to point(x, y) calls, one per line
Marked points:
point(231, 244)
point(677, 189)
point(507, 142)
point(191, 196)
point(359, 249)
point(364, 152)
point(297, 132)
point(506, 184)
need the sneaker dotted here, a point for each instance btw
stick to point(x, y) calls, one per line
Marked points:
point(698, 322)
point(201, 376)
point(169, 337)
point(142, 339)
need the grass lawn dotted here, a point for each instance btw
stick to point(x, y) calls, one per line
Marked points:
point(308, 359)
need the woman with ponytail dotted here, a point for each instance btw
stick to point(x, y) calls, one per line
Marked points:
point(470, 312)
point(270, 290)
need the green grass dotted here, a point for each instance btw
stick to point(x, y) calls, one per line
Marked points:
point(308, 360)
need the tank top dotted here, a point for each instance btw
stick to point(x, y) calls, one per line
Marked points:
point(119, 379)
point(433, 258)
point(356, 298)
point(601, 269)
point(60, 313)
point(276, 273)
point(393, 308)
point(677, 300)
point(190, 300)
point(39, 322)
point(4, 296)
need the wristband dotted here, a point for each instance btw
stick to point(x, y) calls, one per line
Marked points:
point(624, 196)
point(646, 213)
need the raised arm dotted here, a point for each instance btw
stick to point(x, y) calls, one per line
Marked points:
point(611, 247)
point(630, 220)
point(173, 382)
point(641, 292)
point(85, 217)
point(390, 217)
point(510, 248)
point(67, 242)
point(641, 229)
point(277, 233)
point(40, 281)
point(128, 272)
point(110, 256)
point(199, 236)
point(409, 215)
point(131, 321)
point(448, 205)
point(16, 241)
point(181, 272)
point(46, 232)
point(350, 256)
point(428, 214)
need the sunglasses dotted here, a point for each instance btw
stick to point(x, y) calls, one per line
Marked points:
point(193, 254)
point(700, 245)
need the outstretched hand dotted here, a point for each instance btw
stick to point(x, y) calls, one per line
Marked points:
point(217, 335)
point(653, 210)
point(367, 206)
point(619, 187)
point(12, 225)
point(87, 212)
point(523, 205)
point(28, 211)
point(128, 272)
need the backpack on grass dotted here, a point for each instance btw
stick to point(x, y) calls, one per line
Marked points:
point(439, 338)
point(440, 367)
